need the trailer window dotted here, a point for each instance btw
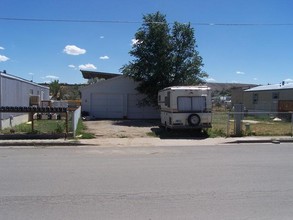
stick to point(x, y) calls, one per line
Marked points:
point(184, 104)
point(198, 103)
point(167, 99)
point(188, 103)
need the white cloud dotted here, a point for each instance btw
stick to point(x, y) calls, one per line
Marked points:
point(104, 58)
point(71, 66)
point(210, 80)
point(102, 37)
point(51, 77)
point(87, 66)
point(3, 58)
point(2, 48)
point(73, 50)
point(240, 73)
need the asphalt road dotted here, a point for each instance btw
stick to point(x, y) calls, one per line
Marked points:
point(201, 182)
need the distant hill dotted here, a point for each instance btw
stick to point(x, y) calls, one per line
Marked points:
point(68, 91)
point(229, 86)
point(71, 91)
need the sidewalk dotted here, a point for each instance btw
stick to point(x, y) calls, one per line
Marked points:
point(128, 142)
point(142, 142)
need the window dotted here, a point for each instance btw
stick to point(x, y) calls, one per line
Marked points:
point(167, 100)
point(255, 98)
point(194, 104)
point(198, 103)
point(31, 91)
point(184, 104)
point(275, 95)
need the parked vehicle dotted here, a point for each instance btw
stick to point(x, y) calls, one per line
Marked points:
point(186, 107)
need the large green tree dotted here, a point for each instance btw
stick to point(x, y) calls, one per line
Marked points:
point(164, 57)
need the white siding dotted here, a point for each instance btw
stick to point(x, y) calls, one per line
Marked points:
point(118, 97)
point(15, 91)
point(135, 111)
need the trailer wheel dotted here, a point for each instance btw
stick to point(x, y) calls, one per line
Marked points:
point(193, 120)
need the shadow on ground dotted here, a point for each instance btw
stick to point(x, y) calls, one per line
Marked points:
point(179, 134)
point(137, 123)
point(161, 132)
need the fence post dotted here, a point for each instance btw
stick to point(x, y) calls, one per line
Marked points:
point(228, 125)
point(238, 119)
point(291, 124)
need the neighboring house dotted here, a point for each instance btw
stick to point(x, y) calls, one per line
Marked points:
point(115, 98)
point(15, 91)
point(237, 93)
point(270, 98)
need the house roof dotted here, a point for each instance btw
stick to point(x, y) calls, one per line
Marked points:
point(101, 75)
point(101, 82)
point(187, 88)
point(7, 75)
point(271, 87)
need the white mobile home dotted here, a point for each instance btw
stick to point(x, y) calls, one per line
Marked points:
point(186, 107)
point(15, 91)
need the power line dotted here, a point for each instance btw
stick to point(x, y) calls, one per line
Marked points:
point(67, 20)
point(136, 22)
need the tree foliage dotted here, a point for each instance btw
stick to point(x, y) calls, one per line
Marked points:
point(163, 57)
point(94, 80)
point(55, 89)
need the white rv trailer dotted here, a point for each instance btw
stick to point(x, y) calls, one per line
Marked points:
point(186, 107)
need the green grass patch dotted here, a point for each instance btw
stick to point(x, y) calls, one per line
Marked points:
point(216, 132)
point(40, 126)
point(151, 134)
point(81, 131)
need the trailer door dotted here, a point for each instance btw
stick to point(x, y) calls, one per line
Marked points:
point(191, 103)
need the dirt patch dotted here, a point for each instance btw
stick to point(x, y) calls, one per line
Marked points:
point(138, 129)
point(121, 128)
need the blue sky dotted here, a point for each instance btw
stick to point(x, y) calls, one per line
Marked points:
point(259, 53)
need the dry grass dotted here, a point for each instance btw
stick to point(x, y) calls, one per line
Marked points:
point(258, 126)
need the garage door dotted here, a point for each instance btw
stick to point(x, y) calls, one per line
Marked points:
point(138, 112)
point(106, 105)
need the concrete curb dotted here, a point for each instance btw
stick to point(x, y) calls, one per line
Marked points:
point(144, 142)
point(274, 140)
point(35, 143)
